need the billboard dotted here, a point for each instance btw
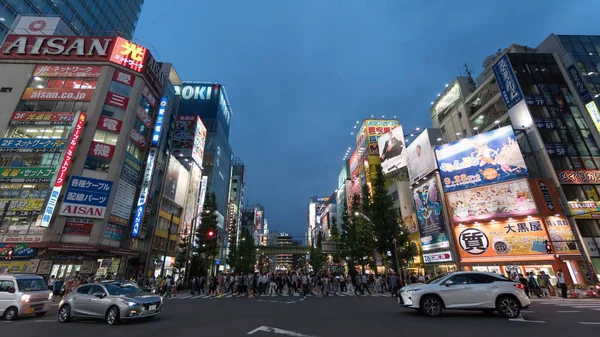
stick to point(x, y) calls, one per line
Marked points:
point(191, 199)
point(579, 177)
point(60, 94)
point(62, 170)
point(86, 197)
point(507, 82)
point(42, 118)
point(31, 145)
point(126, 188)
point(185, 133)
point(36, 25)
point(488, 202)
point(199, 142)
point(420, 157)
point(430, 219)
point(142, 199)
point(585, 209)
point(138, 138)
point(164, 102)
point(502, 238)
point(391, 150)
point(79, 227)
point(483, 159)
point(101, 150)
point(353, 163)
point(128, 54)
point(21, 206)
point(371, 130)
point(66, 70)
point(561, 236)
point(27, 174)
point(579, 84)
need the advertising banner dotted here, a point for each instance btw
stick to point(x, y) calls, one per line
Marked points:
point(437, 257)
point(114, 232)
point(193, 188)
point(149, 96)
point(138, 138)
point(109, 124)
point(579, 84)
point(143, 116)
point(123, 78)
point(142, 199)
point(42, 118)
point(125, 195)
point(507, 82)
point(579, 177)
point(375, 128)
point(483, 159)
point(80, 227)
point(199, 141)
point(26, 174)
point(429, 216)
point(183, 139)
point(411, 223)
point(46, 70)
point(86, 197)
point(502, 238)
point(492, 201)
point(13, 266)
point(117, 100)
point(128, 54)
point(164, 104)
point(31, 145)
point(203, 186)
point(21, 206)
point(62, 171)
point(353, 163)
point(101, 150)
point(60, 94)
point(420, 157)
point(59, 48)
point(561, 236)
point(391, 150)
point(585, 209)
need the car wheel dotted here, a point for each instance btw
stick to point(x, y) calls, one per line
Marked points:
point(112, 316)
point(40, 314)
point(431, 306)
point(508, 307)
point(11, 314)
point(64, 314)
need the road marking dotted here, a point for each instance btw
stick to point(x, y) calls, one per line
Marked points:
point(527, 311)
point(278, 331)
point(566, 311)
point(44, 320)
point(590, 323)
point(521, 319)
point(8, 321)
point(586, 306)
point(184, 297)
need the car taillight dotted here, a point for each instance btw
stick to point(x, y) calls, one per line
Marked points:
point(520, 286)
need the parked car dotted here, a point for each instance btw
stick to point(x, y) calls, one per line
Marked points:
point(112, 301)
point(466, 291)
point(23, 294)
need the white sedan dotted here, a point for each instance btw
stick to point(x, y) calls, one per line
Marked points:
point(466, 291)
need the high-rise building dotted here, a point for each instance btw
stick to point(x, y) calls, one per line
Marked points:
point(82, 17)
point(284, 261)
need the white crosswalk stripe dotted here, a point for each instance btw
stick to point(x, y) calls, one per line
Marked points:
point(313, 294)
point(562, 305)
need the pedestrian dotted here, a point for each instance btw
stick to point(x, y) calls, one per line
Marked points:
point(305, 285)
point(201, 288)
point(295, 283)
point(357, 284)
point(378, 284)
point(169, 286)
point(543, 280)
point(51, 283)
point(534, 287)
point(364, 285)
point(319, 286)
point(561, 283)
point(221, 284)
point(525, 284)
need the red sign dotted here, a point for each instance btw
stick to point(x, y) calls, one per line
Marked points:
point(116, 100)
point(143, 116)
point(58, 94)
point(64, 167)
point(57, 48)
point(138, 138)
point(149, 96)
point(109, 124)
point(101, 150)
point(42, 118)
point(579, 177)
point(128, 54)
point(82, 228)
point(67, 71)
point(123, 77)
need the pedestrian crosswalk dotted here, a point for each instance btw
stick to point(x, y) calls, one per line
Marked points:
point(568, 305)
point(230, 295)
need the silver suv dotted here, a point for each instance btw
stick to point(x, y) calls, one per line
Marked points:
point(112, 301)
point(23, 294)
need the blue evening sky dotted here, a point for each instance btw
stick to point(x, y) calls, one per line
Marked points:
point(299, 74)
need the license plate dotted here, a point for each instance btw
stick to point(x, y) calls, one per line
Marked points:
point(152, 307)
point(29, 311)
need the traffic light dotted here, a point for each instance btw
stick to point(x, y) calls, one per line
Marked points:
point(155, 261)
point(9, 254)
point(548, 247)
point(211, 233)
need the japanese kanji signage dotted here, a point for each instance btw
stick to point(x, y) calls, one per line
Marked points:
point(138, 138)
point(142, 199)
point(143, 116)
point(561, 236)
point(149, 96)
point(128, 54)
point(31, 145)
point(86, 197)
point(34, 94)
point(123, 78)
point(21, 206)
point(502, 238)
point(125, 195)
point(585, 209)
point(109, 124)
point(507, 82)
point(579, 177)
point(101, 150)
point(162, 110)
point(42, 118)
point(116, 100)
point(61, 70)
point(26, 174)
point(81, 227)
point(62, 171)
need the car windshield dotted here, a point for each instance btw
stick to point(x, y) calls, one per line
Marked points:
point(122, 288)
point(436, 279)
point(31, 284)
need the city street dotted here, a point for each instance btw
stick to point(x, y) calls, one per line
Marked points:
point(330, 316)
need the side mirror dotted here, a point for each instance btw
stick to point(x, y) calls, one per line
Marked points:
point(11, 290)
point(99, 295)
point(448, 283)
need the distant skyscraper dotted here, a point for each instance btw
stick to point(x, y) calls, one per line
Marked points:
point(83, 17)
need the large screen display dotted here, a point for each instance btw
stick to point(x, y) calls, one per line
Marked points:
point(480, 160)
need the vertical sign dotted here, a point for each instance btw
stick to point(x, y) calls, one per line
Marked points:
point(159, 121)
point(142, 199)
point(579, 84)
point(507, 82)
point(62, 171)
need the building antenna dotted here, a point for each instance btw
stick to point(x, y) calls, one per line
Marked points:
point(468, 73)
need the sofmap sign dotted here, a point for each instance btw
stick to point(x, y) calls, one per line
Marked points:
point(507, 82)
point(164, 101)
point(202, 92)
point(582, 89)
point(142, 199)
point(62, 171)
point(86, 197)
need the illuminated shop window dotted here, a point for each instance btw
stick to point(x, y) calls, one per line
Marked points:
point(106, 137)
point(61, 82)
point(16, 159)
point(52, 106)
point(135, 150)
point(24, 190)
point(39, 132)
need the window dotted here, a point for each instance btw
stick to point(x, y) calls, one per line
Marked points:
point(395, 195)
point(95, 289)
point(135, 150)
point(459, 279)
point(39, 132)
point(106, 137)
point(120, 88)
point(32, 284)
point(113, 112)
point(482, 278)
point(84, 290)
point(5, 286)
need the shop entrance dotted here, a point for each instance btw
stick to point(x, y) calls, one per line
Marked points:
point(65, 270)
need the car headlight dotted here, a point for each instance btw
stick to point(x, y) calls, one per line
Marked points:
point(50, 296)
point(25, 298)
point(412, 291)
point(130, 303)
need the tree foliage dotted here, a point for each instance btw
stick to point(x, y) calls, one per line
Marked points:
point(182, 256)
point(317, 259)
point(384, 215)
point(334, 236)
point(207, 244)
point(246, 253)
point(357, 234)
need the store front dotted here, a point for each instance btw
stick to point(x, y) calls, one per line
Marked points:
point(439, 262)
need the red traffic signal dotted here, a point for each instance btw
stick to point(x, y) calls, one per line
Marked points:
point(9, 254)
point(211, 234)
point(548, 247)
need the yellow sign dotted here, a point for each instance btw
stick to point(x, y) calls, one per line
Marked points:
point(21, 206)
point(585, 209)
point(13, 266)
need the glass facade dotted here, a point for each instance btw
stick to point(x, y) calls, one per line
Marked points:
point(585, 50)
point(84, 17)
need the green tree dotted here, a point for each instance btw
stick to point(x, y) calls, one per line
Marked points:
point(317, 259)
point(233, 255)
point(206, 234)
point(384, 215)
point(358, 235)
point(406, 250)
point(181, 258)
point(334, 236)
point(246, 253)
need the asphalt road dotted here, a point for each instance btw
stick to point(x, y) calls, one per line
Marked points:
point(331, 316)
